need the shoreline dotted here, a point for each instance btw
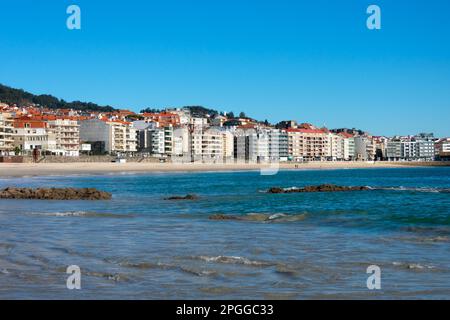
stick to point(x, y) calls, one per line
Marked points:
point(11, 170)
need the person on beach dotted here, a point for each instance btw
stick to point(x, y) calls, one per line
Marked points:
point(35, 155)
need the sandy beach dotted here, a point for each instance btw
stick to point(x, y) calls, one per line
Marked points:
point(46, 169)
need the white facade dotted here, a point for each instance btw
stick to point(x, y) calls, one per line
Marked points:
point(67, 136)
point(346, 148)
point(365, 148)
point(228, 145)
point(6, 134)
point(118, 136)
point(28, 139)
point(181, 141)
point(207, 144)
point(252, 146)
point(308, 144)
point(417, 148)
point(334, 147)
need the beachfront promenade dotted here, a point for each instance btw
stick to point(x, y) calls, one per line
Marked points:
point(70, 168)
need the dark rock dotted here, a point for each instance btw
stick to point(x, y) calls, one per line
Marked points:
point(187, 197)
point(276, 190)
point(319, 188)
point(54, 194)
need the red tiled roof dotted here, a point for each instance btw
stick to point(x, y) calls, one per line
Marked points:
point(346, 134)
point(306, 130)
point(31, 123)
point(247, 126)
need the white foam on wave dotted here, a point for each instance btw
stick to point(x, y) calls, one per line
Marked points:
point(64, 214)
point(232, 260)
point(277, 216)
point(416, 189)
point(89, 214)
point(413, 266)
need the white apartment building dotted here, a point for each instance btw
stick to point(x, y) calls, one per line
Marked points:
point(409, 150)
point(394, 150)
point(443, 145)
point(252, 146)
point(67, 136)
point(184, 114)
point(143, 136)
point(365, 148)
point(227, 145)
point(346, 148)
point(335, 147)
point(154, 139)
point(181, 141)
point(308, 144)
point(6, 134)
point(118, 136)
point(198, 123)
point(27, 139)
point(154, 143)
point(207, 144)
point(442, 149)
point(416, 148)
point(212, 144)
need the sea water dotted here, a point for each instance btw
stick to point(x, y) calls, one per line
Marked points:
point(289, 246)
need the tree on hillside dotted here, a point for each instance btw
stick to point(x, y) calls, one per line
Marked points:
point(22, 98)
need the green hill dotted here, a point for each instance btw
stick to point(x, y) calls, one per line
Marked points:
point(22, 98)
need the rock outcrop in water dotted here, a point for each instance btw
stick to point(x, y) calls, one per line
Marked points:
point(319, 188)
point(249, 217)
point(187, 197)
point(54, 194)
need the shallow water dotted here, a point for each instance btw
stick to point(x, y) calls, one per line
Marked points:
point(289, 246)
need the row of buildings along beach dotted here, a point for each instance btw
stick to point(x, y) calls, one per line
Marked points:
point(180, 135)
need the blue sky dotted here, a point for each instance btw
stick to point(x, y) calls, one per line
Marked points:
point(314, 61)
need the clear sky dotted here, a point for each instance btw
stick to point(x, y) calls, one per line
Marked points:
point(313, 61)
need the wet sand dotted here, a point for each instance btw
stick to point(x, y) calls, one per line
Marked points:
point(98, 168)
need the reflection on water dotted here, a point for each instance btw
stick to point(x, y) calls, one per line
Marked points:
point(264, 246)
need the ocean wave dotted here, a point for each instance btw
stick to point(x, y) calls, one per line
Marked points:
point(261, 217)
point(427, 229)
point(143, 265)
point(163, 266)
point(388, 188)
point(116, 277)
point(88, 214)
point(233, 260)
point(413, 266)
point(434, 239)
point(414, 189)
point(421, 240)
point(199, 273)
point(431, 239)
